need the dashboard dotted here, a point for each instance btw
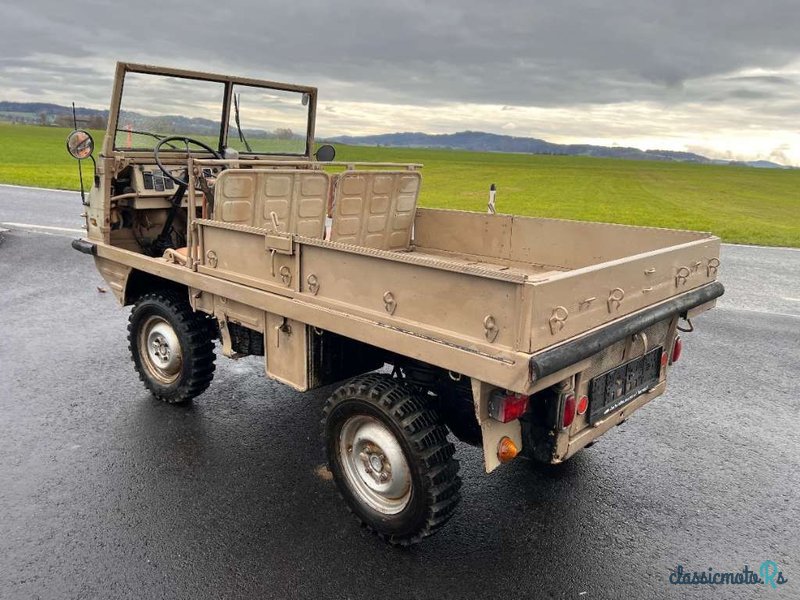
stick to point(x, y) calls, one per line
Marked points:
point(149, 180)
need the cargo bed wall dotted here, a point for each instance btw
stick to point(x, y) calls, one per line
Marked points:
point(589, 273)
point(480, 311)
point(554, 243)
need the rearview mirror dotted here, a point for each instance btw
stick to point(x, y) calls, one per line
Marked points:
point(80, 144)
point(325, 153)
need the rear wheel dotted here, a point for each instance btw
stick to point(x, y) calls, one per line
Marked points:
point(171, 346)
point(390, 458)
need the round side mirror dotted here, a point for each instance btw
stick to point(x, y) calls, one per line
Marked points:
point(80, 144)
point(325, 153)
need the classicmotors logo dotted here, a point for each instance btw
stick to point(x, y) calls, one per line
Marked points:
point(768, 574)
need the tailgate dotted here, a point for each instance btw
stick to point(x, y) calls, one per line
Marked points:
point(572, 303)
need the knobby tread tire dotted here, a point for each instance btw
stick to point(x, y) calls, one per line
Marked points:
point(196, 334)
point(428, 451)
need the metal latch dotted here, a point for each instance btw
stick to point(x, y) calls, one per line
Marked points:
point(282, 244)
point(282, 327)
point(278, 241)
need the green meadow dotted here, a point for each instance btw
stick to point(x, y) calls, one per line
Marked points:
point(740, 204)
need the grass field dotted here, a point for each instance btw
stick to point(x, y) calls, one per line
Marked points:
point(740, 204)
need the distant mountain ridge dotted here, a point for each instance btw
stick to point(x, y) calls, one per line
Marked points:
point(53, 109)
point(42, 113)
point(479, 141)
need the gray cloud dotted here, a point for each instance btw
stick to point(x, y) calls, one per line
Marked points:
point(524, 53)
point(549, 54)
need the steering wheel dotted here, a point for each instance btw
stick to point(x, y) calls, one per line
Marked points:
point(186, 141)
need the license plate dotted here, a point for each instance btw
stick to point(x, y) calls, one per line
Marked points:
point(615, 388)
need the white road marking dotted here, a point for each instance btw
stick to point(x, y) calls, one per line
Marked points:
point(31, 226)
point(760, 312)
point(792, 299)
point(41, 189)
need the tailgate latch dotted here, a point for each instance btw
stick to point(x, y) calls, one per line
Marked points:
point(557, 319)
point(615, 299)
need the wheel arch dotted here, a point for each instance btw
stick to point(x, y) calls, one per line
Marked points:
point(184, 333)
point(139, 282)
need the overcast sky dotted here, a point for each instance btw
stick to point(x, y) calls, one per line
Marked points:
point(718, 77)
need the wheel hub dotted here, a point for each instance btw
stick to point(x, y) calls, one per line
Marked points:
point(160, 350)
point(374, 464)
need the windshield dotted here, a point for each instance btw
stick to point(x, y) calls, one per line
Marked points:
point(268, 121)
point(261, 120)
point(158, 106)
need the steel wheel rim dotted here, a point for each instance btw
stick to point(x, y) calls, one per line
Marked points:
point(160, 350)
point(374, 464)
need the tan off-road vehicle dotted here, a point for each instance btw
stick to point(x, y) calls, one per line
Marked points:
point(211, 214)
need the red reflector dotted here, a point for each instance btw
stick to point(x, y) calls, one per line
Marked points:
point(583, 404)
point(677, 348)
point(569, 410)
point(663, 359)
point(507, 407)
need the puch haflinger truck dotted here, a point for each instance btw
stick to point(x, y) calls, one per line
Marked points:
point(524, 336)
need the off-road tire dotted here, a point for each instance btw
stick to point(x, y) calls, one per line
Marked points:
point(404, 412)
point(195, 333)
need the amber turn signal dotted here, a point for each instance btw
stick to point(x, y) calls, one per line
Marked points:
point(506, 450)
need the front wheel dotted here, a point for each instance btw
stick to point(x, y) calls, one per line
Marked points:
point(390, 457)
point(171, 346)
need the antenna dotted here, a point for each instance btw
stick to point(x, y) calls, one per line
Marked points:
point(80, 168)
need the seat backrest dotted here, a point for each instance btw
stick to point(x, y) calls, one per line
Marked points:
point(375, 208)
point(298, 198)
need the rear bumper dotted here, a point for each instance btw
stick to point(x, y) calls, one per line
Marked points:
point(553, 360)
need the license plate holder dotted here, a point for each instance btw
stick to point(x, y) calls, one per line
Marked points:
point(610, 391)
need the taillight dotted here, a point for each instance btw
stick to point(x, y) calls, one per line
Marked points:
point(505, 407)
point(569, 411)
point(677, 348)
point(583, 405)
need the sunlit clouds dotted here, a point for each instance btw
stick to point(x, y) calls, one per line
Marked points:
point(720, 79)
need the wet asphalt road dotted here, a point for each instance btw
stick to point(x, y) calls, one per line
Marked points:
point(105, 493)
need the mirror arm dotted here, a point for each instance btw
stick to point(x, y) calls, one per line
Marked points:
point(96, 176)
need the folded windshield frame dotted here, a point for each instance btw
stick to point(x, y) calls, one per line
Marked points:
point(226, 109)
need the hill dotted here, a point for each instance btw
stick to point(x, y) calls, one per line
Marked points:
point(478, 141)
